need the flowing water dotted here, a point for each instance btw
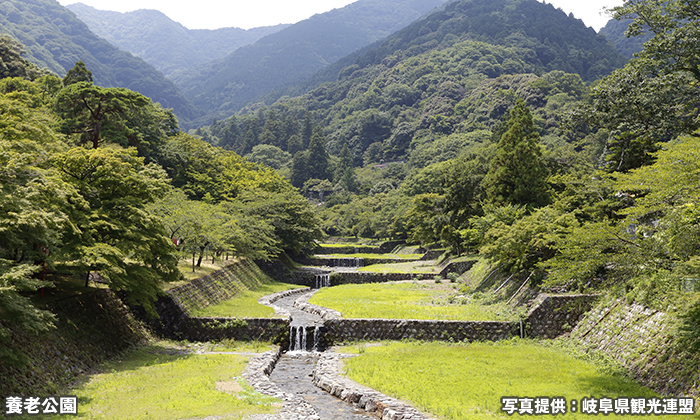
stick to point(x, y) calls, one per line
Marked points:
point(294, 370)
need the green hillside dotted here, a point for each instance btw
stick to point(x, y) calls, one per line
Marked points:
point(222, 87)
point(456, 71)
point(166, 45)
point(614, 30)
point(54, 38)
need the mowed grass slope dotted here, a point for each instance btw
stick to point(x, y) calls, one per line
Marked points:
point(467, 381)
point(408, 300)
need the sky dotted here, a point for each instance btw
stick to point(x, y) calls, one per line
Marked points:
point(246, 14)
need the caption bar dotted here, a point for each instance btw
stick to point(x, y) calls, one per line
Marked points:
point(595, 406)
point(36, 405)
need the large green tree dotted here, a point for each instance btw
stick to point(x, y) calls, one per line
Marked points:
point(110, 231)
point(517, 174)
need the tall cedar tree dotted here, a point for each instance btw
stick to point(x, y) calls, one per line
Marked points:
point(517, 174)
point(318, 156)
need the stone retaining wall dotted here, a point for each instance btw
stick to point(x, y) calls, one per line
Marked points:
point(554, 315)
point(348, 262)
point(411, 329)
point(326, 375)
point(244, 329)
point(644, 341)
point(362, 277)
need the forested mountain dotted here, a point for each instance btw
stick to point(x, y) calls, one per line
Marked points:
point(222, 87)
point(164, 43)
point(614, 31)
point(54, 38)
point(458, 70)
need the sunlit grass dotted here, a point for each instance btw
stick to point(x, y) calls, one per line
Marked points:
point(418, 267)
point(461, 382)
point(157, 382)
point(245, 304)
point(408, 300)
point(374, 256)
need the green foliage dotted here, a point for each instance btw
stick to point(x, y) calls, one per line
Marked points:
point(516, 173)
point(110, 231)
point(54, 38)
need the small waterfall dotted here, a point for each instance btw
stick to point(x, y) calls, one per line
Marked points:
point(317, 338)
point(323, 280)
point(299, 338)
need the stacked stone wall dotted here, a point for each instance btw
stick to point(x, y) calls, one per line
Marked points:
point(643, 340)
point(362, 277)
point(244, 329)
point(554, 315)
point(411, 329)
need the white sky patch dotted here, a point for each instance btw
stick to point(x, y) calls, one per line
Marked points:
point(246, 14)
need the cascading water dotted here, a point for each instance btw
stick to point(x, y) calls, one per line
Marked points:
point(298, 338)
point(323, 280)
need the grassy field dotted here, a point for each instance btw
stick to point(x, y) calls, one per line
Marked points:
point(164, 381)
point(246, 304)
point(373, 256)
point(408, 300)
point(467, 381)
point(429, 267)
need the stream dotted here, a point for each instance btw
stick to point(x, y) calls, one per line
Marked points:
point(293, 372)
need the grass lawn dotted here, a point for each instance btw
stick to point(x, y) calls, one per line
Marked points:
point(374, 256)
point(467, 381)
point(246, 304)
point(408, 300)
point(429, 267)
point(163, 382)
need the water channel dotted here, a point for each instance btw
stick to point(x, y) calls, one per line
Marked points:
point(293, 372)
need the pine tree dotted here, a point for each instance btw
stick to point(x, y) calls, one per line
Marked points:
point(516, 173)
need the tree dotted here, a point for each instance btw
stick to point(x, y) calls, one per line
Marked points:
point(675, 26)
point(110, 231)
point(517, 174)
point(11, 62)
point(32, 209)
point(345, 171)
point(99, 114)
point(269, 155)
point(318, 156)
point(79, 73)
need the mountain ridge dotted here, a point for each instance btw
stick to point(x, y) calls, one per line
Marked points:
point(164, 43)
point(55, 38)
point(222, 87)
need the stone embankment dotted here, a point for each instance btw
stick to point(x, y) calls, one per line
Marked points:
point(645, 342)
point(257, 373)
point(327, 376)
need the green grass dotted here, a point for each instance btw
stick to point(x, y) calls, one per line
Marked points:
point(418, 267)
point(157, 382)
point(374, 256)
point(245, 304)
point(462, 382)
point(411, 300)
